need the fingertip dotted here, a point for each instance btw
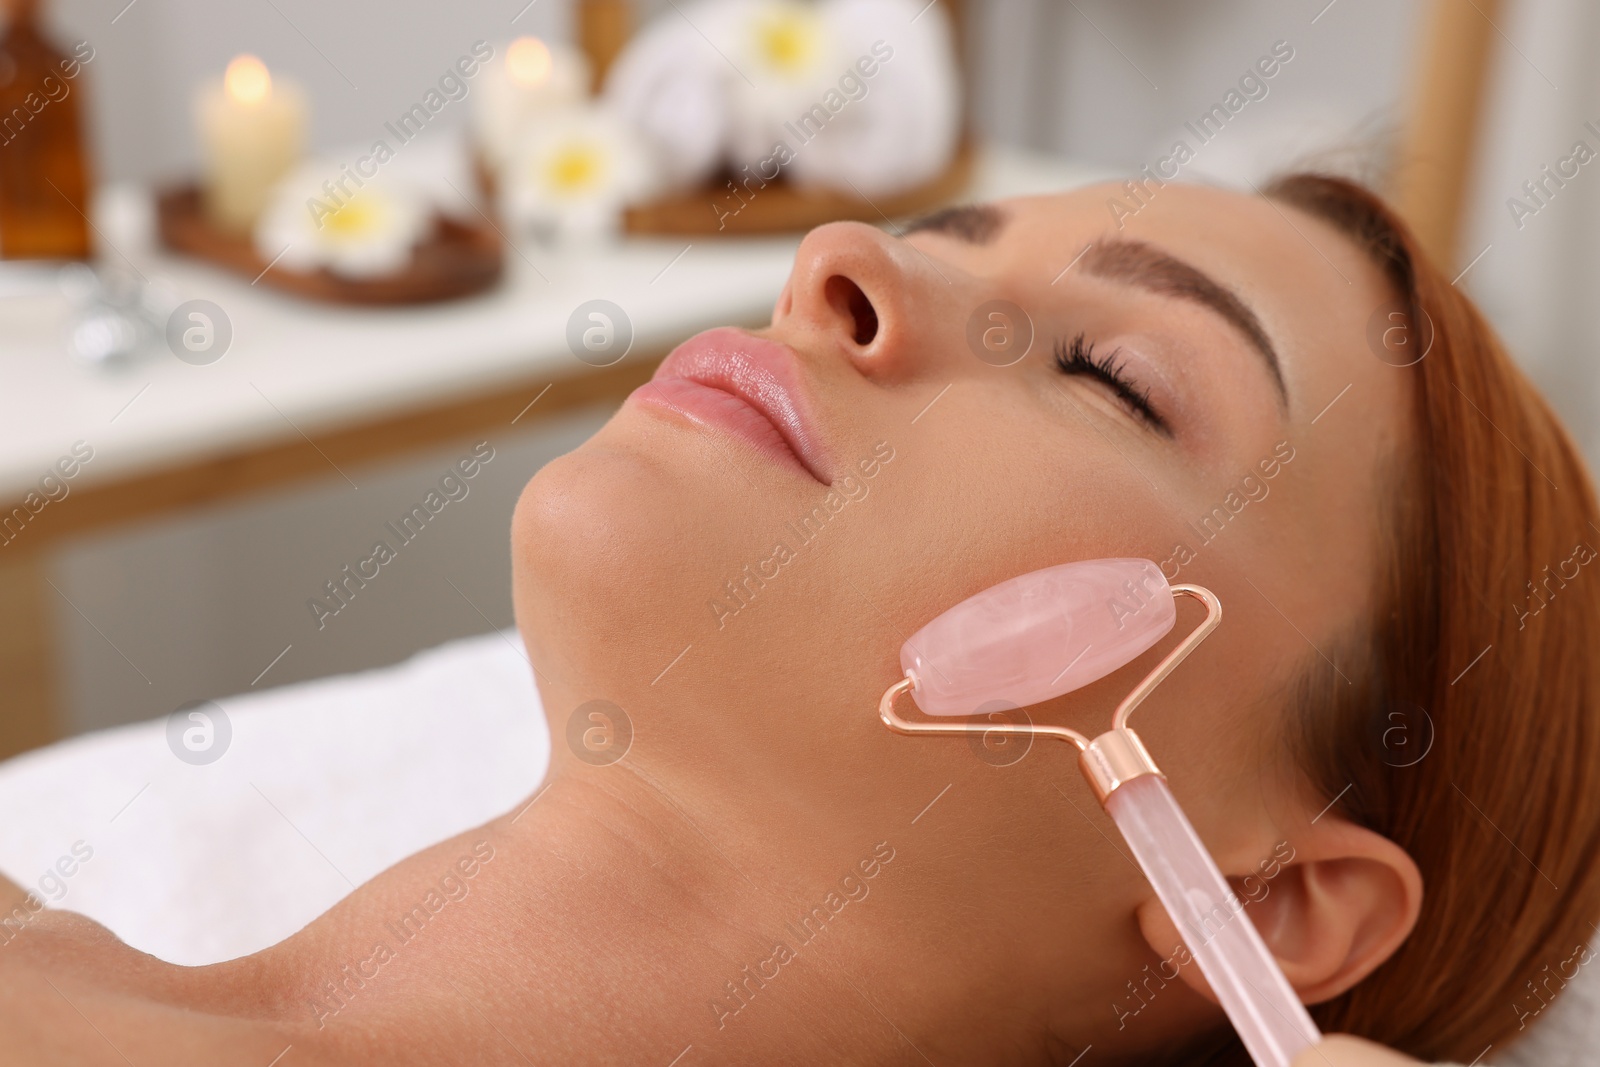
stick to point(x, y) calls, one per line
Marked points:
point(1342, 1050)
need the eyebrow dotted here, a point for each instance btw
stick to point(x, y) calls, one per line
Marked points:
point(1148, 267)
point(1131, 262)
point(976, 224)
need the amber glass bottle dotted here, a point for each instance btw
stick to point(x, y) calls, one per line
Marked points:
point(44, 173)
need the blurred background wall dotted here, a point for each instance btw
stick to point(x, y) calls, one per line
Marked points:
point(1106, 80)
point(208, 597)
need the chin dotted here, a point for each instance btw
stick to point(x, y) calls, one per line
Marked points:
point(615, 552)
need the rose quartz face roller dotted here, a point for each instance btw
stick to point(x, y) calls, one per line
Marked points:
point(1039, 635)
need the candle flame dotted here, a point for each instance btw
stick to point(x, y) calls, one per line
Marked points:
point(247, 80)
point(528, 62)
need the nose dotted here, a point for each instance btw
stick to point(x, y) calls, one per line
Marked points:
point(869, 297)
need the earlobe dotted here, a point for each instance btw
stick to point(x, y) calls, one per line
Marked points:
point(1331, 916)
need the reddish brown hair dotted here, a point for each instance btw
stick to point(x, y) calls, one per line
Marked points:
point(1481, 652)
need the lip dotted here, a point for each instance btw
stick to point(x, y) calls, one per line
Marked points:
point(747, 386)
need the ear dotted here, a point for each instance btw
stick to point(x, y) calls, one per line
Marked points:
point(1331, 907)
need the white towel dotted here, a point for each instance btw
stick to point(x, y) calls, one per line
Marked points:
point(696, 82)
point(903, 131)
point(670, 83)
point(322, 785)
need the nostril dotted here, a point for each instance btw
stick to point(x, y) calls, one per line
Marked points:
point(846, 297)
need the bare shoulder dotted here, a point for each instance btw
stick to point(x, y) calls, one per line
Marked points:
point(43, 955)
point(38, 1024)
point(12, 895)
point(72, 992)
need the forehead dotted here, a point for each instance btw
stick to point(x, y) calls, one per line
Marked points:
point(1253, 244)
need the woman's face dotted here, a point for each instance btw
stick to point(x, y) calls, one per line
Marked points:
point(743, 600)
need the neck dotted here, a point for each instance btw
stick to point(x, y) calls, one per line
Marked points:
point(612, 918)
point(613, 921)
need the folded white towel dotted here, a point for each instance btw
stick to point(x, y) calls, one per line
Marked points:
point(322, 785)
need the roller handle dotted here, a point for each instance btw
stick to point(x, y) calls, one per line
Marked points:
point(1260, 1003)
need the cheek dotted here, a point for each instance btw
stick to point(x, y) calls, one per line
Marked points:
point(995, 490)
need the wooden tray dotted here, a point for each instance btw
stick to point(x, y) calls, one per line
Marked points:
point(782, 207)
point(455, 260)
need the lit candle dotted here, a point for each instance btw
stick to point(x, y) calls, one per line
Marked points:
point(251, 133)
point(532, 78)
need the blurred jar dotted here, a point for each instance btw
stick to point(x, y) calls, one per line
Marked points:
point(44, 173)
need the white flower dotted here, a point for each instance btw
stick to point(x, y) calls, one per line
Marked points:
point(575, 172)
point(788, 55)
point(364, 231)
point(516, 89)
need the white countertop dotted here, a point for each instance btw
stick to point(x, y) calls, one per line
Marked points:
point(296, 366)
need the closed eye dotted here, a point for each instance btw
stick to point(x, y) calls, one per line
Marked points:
point(1077, 356)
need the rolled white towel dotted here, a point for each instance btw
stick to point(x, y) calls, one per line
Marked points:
point(787, 55)
point(860, 94)
point(673, 86)
point(902, 131)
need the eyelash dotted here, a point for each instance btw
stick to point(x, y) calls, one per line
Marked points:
point(1077, 357)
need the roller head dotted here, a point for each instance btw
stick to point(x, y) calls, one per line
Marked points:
point(1039, 635)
